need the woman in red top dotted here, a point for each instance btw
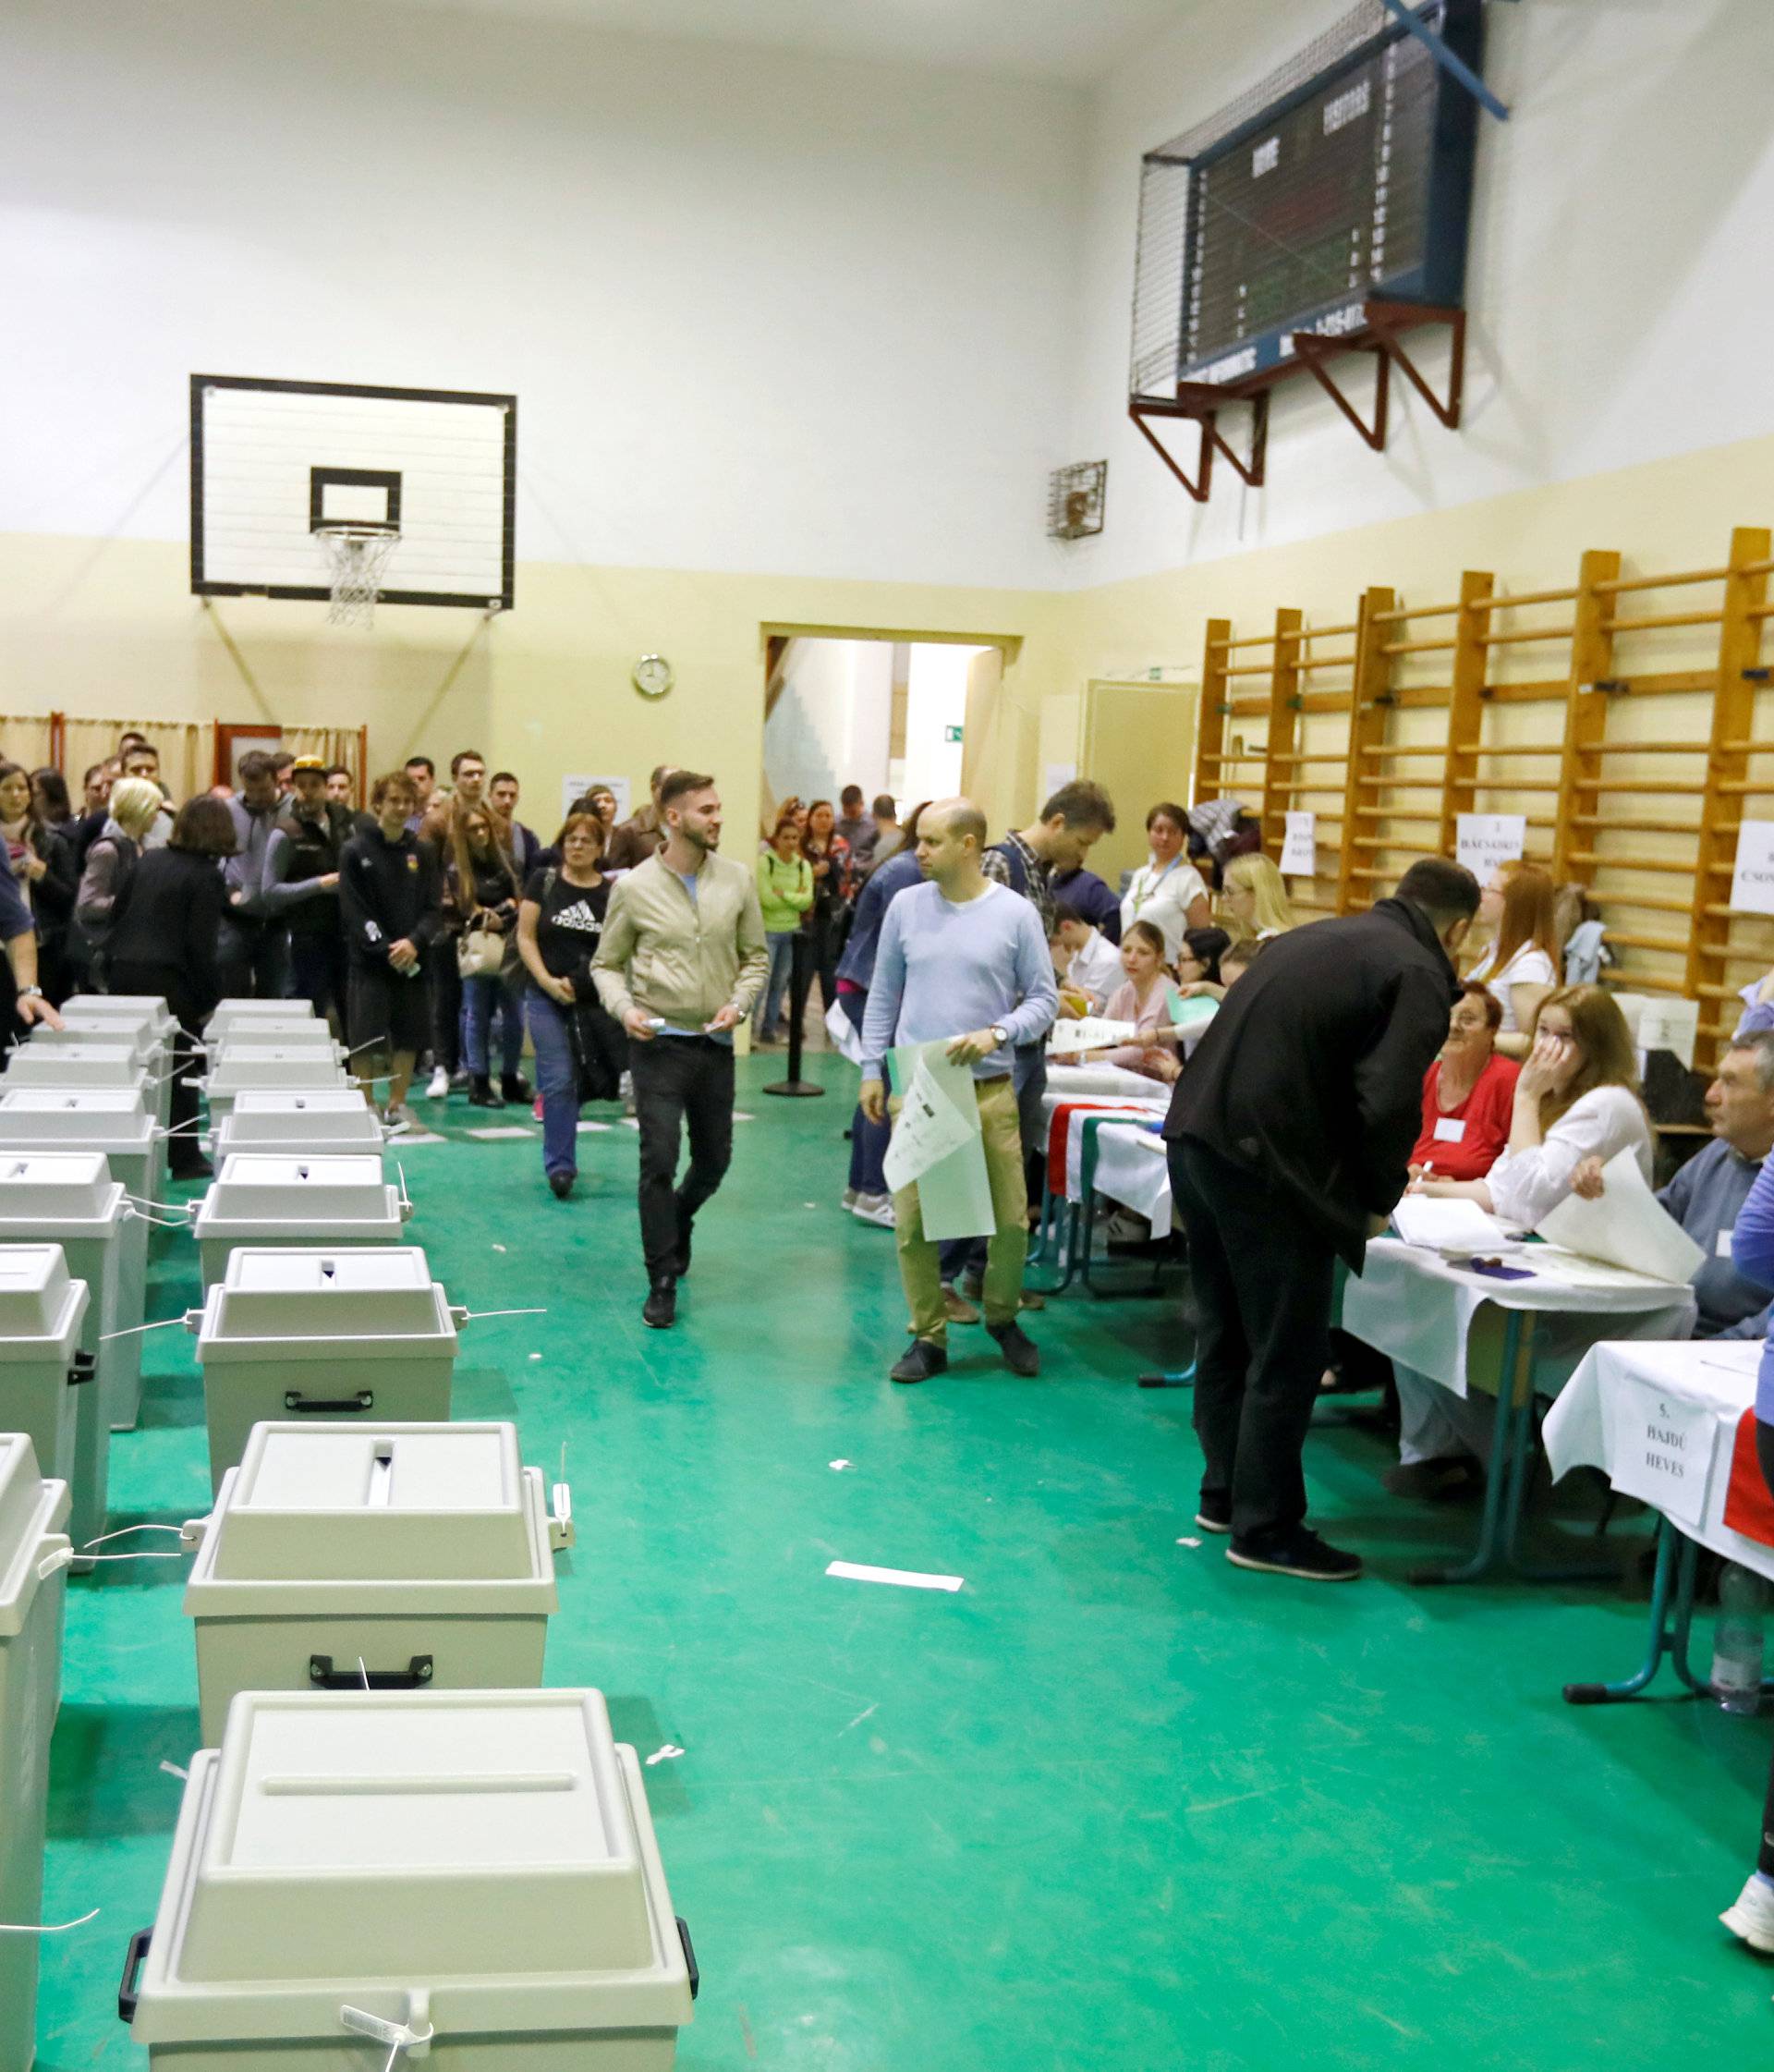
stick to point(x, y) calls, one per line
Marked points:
point(1468, 1093)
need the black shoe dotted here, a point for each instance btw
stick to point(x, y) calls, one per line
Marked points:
point(1431, 1482)
point(480, 1094)
point(562, 1184)
point(1302, 1554)
point(517, 1088)
point(1214, 1514)
point(1021, 1354)
point(919, 1362)
point(191, 1169)
point(659, 1310)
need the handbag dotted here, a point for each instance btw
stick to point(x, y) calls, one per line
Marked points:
point(479, 953)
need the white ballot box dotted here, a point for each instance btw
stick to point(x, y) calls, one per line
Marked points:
point(32, 1513)
point(324, 1122)
point(106, 1119)
point(322, 1334)
point(69, 1198)
point(471, 1871)
point(243, 1066)
point(48, 1387)
point(262, 1198)
point(380, 1556)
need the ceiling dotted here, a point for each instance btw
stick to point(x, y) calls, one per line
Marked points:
point(1070, 42)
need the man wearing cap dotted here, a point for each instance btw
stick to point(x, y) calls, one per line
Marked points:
point(301, 885)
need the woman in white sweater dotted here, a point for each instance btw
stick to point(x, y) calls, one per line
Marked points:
point(1576, 1098)
point(1167, 890)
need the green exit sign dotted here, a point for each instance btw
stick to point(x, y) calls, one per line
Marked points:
point(951, 733)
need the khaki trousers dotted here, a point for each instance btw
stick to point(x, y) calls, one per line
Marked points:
point(1008, 1247)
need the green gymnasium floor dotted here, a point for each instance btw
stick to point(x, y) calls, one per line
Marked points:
point(1115, 1807)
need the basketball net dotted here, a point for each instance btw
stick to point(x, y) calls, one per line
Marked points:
point(356, 556)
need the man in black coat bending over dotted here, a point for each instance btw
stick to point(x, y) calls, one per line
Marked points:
point(1290, 1133)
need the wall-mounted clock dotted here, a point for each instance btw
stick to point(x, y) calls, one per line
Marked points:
point(654, 677)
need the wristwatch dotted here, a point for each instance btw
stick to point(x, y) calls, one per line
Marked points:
point(1001, 1034)
point(29, 992)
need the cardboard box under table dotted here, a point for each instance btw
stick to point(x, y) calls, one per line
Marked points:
point(327, 1122)
point(472, 1871)
point(70, 1199)
point(48, 1387)
point(91, 1065)
point(259, 1198)
point(322, 1334)
point(240, 1066)
point(32, 1513)
point(374, 1556)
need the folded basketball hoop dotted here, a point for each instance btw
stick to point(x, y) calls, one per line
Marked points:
point(356, 553)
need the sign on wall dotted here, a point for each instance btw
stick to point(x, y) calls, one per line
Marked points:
point(1752, 884)
point(1300, 846)
point(1485, 840)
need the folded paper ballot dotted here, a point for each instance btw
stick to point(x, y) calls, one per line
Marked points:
point(1091, 1034)
point(1447, 1226)
point(1626, 1228)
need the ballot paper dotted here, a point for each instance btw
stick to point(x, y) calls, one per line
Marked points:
point(1299, 846)
point(1443, 1224)
point(1194, 1012)
point(927, 1129)
point(846, 1039)
point(1626, 1228)
point(1091, 1034)
point(953, 1192)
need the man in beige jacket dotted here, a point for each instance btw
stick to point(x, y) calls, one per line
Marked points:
point(682, 959)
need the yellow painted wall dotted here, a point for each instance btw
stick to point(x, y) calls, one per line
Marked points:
point(110, 629)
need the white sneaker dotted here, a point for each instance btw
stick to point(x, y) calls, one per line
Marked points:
point(401, 1118)
point(875, 1208)
point(439, 1089)
point(850, 1198)
point(1751, 1919)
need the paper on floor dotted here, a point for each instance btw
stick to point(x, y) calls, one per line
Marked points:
point(907, 1578)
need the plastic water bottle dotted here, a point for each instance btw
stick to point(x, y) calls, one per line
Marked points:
point(1737, 1638)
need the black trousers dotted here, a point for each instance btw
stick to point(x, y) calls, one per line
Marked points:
point(254, 959)
point(679, 1080)
point(1262, 1280)
point(317, 972)
point(445, 981)
point(168, 982)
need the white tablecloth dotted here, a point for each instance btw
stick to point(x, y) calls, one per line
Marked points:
point(1094, 1083)
point(1599, 1421)
point(1412, 1305)
point(1132, 1169)
point(1099, 1104)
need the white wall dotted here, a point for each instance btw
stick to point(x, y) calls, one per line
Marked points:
point(830, 726)
point(761, 312)
point(936, 702)
point(1618, 312)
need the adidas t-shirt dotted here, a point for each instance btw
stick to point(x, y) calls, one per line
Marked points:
point(570, 926)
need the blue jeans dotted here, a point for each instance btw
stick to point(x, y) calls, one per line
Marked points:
point(481, 1000)
point(867, 1139)
point(781, 962)
point(557, 1075)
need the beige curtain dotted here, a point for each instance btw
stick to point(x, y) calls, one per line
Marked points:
point(343, 745)
point(187, 749)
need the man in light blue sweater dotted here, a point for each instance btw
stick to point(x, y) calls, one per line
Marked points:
point(964, 960)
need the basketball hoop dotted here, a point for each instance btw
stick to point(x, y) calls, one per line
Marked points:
point(356, 553)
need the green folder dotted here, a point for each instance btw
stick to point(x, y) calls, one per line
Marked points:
point(1193, 1013)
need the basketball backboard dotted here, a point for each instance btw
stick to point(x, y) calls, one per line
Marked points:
point(273, 461)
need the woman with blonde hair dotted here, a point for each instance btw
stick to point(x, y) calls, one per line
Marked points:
point(1253, 901)
point(1576, 1098)
point(132, 809)
point(1522, 965)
